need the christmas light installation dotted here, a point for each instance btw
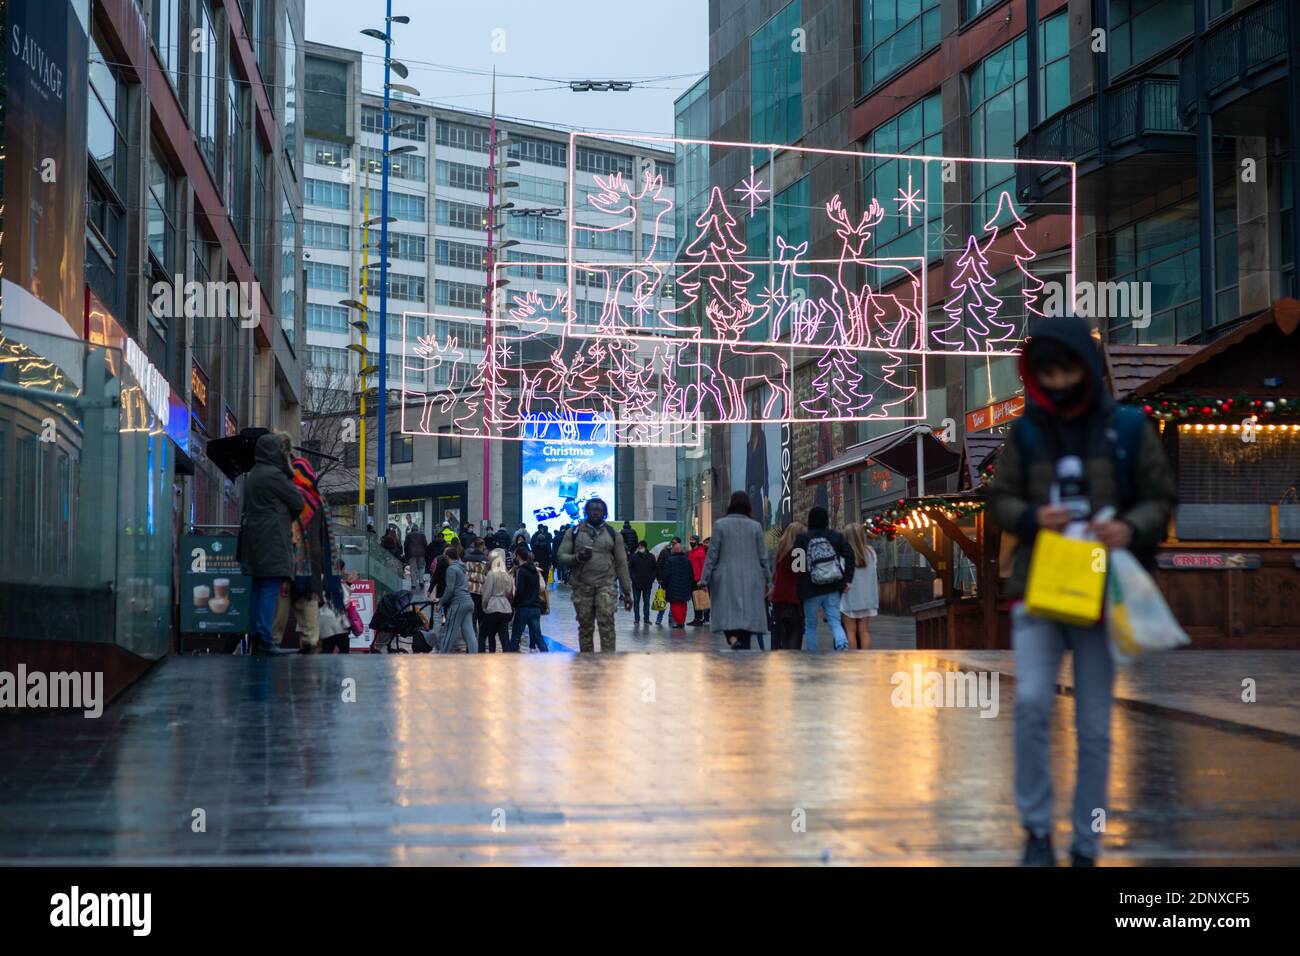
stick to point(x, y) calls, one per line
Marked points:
point(659, 337)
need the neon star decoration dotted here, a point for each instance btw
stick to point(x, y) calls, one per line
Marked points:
point(909, 199)
point(752, 190)
point(656, 334)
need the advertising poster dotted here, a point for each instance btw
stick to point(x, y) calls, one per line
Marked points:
point(46, 54)
point(215, 596)
point(363, 595)
point(757, 463)
point(655, 533)
point(564, 465)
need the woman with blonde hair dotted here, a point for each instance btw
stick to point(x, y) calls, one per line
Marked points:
point(862, 599)
point(787, 609)
point(497, 596)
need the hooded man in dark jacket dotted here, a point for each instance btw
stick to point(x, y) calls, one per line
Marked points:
point(265, 549)
point(642, 568)
point(1072, 454)
point(598, 562)
point(416, 547)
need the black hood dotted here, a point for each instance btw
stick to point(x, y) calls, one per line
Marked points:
point(1075, 335)
point(272, 449)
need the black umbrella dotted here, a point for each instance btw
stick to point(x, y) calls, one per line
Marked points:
point(234, 455)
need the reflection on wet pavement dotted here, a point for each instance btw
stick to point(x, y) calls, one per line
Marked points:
point(628, 758)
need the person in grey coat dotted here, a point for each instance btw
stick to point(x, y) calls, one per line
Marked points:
point(737, 575)
point(265, 546)
point(458, 604)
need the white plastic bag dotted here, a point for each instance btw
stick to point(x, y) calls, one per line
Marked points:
point(1138, 621)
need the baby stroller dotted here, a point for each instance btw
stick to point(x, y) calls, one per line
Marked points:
point(401, 625)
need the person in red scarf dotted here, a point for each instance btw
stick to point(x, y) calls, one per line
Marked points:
point(311, 546)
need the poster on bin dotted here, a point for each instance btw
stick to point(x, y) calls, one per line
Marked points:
point(215, 595)
point(363, 595)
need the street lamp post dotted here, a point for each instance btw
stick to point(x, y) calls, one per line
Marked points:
point(381, 465)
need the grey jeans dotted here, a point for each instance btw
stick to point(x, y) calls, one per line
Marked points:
point(1039, 645)
point(460, 623)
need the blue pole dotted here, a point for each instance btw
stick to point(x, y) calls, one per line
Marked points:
point(383, 263)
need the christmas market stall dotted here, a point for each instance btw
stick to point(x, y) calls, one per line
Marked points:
point(1229, 416)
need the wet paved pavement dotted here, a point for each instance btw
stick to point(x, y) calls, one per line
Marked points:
point(713, 757)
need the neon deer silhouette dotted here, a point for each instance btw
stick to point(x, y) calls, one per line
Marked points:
point(854, 236)
point(810, 305)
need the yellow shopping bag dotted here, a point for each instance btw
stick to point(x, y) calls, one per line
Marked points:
point(1067, 579)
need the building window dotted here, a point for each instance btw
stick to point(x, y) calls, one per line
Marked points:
point(461, 136)
point(405, 126)
point(461, 215)
point(448, 445)
point(402, 166)
point(531, 150)
point(970, 9)
point(790, 208)
point(327, 277)
point(919, 130)
point(165, 28)
point(290, 91)
point(326, 152)
point(461, 295)
point(999, 116)
point(462, 176)
point(1139, 29)
point(894, 33)
point(1054, 78)
point(613, 240)
point(403, 245)
point(325, 194)
point(325, 235)
point(205, 86)
point(402, 286)
point(160, 210)
point(290, 256)
point(1226, 301)
point(466, 334)
point(401, 449)
point(776, 79)
point(107, 115)
point(400, 205)
point(544, 229)
point(323, 357)
point(459, 255)
point(537, 189)
point(603, 162)
point(1162, 249)
point(326, 318)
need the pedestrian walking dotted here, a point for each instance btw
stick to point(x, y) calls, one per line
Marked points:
point(787, 609)
point(541, 548)
point(1072, 454)
point(862, 599)
point(678, 580)
point(312, 558)
point(498, 594)
point(641, 569)
point(595, 555)
point(827, 573)
point(700, 598)
point(476, 566)
point(530, 602)
point(391, 543)
point(737, 575)
point(270, 503)
point(459, 606)
point(468, 536)
point(416, 547)
point(660, 561)
point(503, 537)
point(628, 534)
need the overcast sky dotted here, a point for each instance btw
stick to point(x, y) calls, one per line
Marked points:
point(449, 49)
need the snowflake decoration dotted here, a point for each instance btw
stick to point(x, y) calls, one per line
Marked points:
point(908, 200)
point(752, 189)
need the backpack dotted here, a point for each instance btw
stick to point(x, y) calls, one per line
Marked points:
point(1124, 430)
point(825, 566)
